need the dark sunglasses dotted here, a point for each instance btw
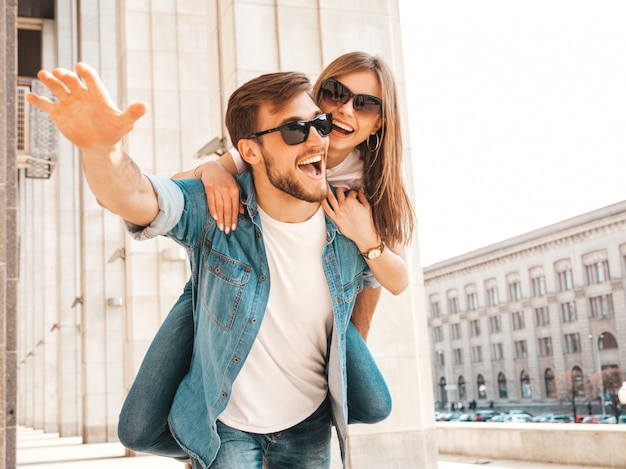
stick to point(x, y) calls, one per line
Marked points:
point(294, 133)
point(337, 94)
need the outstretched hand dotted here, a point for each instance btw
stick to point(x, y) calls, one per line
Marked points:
point(84, 112)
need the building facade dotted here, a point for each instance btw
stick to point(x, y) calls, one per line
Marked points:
point(90, 299)
point(515, 322)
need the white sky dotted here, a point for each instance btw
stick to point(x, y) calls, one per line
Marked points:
point(517, 112)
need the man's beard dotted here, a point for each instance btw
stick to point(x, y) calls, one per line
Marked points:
point(289, 185)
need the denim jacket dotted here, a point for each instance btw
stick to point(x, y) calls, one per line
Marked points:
point(231, 282)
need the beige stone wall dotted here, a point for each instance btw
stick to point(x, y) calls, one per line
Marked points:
point(8, 234)
point(562, 443)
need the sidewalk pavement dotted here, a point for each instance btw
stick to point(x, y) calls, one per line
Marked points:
point(38, 450)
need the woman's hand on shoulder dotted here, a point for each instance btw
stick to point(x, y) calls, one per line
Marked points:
point(352, 213)
point(222, 194)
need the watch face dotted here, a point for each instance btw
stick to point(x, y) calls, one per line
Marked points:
point(373, 254)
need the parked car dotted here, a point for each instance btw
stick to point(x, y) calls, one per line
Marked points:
point(622, 419)
point(498, 418)
point(518, 418)
point(600, 418)
point(484, 415)
point(543, 418)
point(559, 418)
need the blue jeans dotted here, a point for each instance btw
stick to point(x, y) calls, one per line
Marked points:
point(143, 419)
point(305, 445)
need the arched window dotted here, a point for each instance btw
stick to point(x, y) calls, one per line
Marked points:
point(462, 389)
point(577, 381)
point(482, 387)
point(606, 341)
point(548, 377)
point(443, 394)
point(503, 392)
point(525, 385)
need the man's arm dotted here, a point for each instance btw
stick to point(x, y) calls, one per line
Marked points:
point(85, 114)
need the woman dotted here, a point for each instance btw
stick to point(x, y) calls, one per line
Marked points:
point(365, 151)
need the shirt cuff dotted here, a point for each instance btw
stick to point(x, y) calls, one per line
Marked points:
point(171, 206)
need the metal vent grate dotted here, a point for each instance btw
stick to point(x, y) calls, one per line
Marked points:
point(23, 120)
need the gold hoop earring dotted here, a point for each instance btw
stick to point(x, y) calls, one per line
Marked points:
point(376, 146)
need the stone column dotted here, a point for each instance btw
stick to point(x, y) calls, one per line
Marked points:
point(8, 232)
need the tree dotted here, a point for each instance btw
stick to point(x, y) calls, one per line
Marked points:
point(569, 386)
point(606, 384)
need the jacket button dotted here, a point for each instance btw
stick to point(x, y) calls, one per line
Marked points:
point(236, 359)
point(253, 320)
point(262, 277)
point(223, 394)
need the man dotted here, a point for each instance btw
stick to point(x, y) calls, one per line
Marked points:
point(268, 368)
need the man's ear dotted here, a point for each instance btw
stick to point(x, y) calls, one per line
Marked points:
point(250, 151)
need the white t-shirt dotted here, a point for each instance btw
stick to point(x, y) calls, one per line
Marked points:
point(283, 380)
point(348, 173)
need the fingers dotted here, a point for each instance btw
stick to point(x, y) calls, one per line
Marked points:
point(40, 102)
point(53, 84)
point(362, 198)
point(134, 112)
point(69, 79)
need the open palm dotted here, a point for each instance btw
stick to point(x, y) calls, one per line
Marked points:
point(84, 112)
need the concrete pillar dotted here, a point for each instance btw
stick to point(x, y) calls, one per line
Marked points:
point(8, 232)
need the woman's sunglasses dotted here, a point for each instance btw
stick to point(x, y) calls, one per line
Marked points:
point(337, 94)
point(294, 133)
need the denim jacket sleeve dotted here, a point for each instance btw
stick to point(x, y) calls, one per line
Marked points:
point(183, 212)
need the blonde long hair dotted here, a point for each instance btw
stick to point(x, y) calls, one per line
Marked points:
point(382, 169)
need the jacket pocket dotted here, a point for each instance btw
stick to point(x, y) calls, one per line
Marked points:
point(223, 286)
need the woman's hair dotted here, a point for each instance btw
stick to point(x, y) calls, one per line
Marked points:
point(382, 168)
point(275, 89)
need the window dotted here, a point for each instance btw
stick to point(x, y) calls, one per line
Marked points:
point(527, 392)
point(443, 392)
point(518, 320)
point(572, 343)
point(545, 346)
point(437, 334)
point(455, 331)
point(492, 296)
point(457, 353)
point(462, 389)
point(548, 377)
point(502, 390)
point(453, 305)
point(481, 386)
point(477, 354)
point(542, 316)
point(496, 352)
point(435, 312)
point(539, 286)
point(601, 306)
point(439, 358)
point(565, 280)
point(494, 324)
point(597, 272)
point(515, 291)
point(521, 351)
point(568, 311)
point(472, 301)
point(578, 382)
point(474, 327)
point(607, 341)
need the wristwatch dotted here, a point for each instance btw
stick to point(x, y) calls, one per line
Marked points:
point(374, 252)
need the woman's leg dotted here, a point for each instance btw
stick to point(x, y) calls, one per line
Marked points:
point(143, 419)
point(369, 400)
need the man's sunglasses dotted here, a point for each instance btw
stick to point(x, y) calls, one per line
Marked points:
point(294, 133)
point(337, 94)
